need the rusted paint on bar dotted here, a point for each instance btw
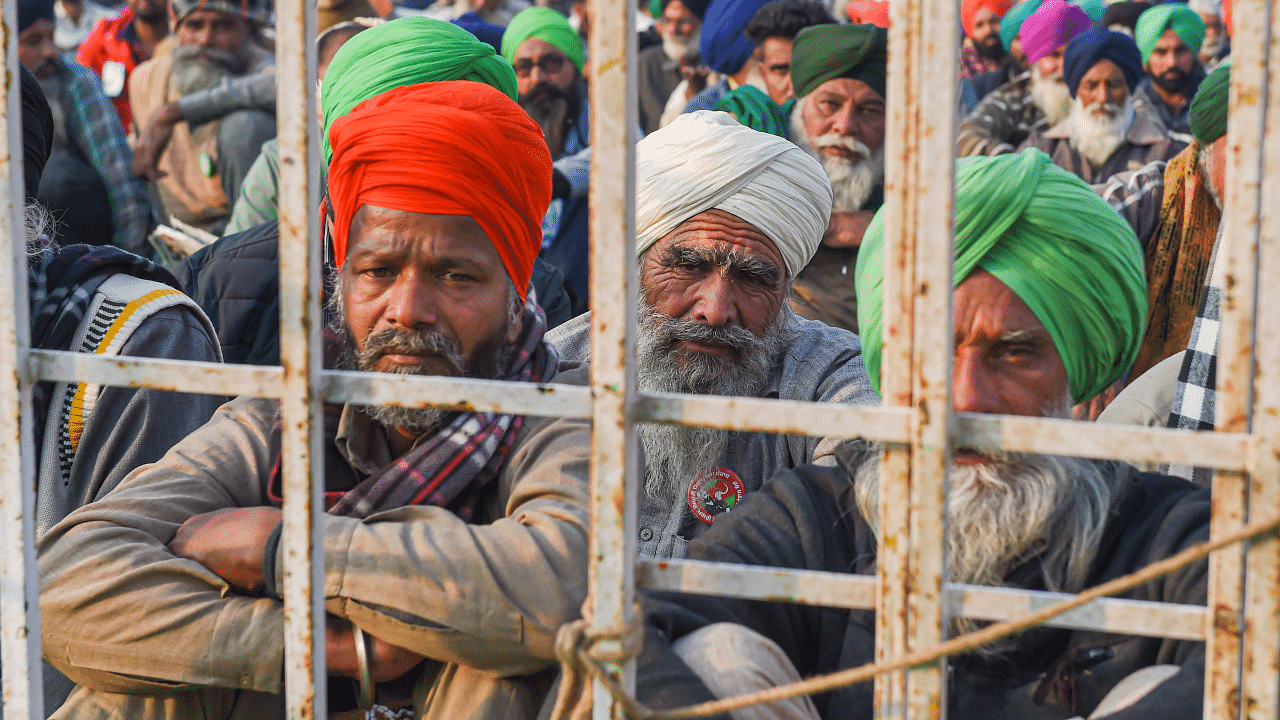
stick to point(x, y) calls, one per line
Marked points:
point(300, 357)
point(879, 424)
point(1235, 350)
point(544, 400)
point(19, 608)
point(613, 311)
point(1260, 686)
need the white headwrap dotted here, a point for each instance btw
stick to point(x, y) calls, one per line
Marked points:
point(705, 160)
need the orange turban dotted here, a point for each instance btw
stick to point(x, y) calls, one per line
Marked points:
point(969, 9)
point(445, 148)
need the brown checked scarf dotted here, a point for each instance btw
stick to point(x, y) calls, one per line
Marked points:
point(1177, 259)
point(451, 469)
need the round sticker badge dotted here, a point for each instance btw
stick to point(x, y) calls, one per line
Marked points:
point(713, 492)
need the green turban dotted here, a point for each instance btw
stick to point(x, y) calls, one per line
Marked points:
point(544, 24)
point(1041, 231)
point(756, 110)
point(402, 52)
point(827, 52)
point(1208, 113)
point(1184, 22)
point(1012, 21)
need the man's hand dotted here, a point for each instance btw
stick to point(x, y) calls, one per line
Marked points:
point(154, 140)
point(695, 76)
point(388, 661)
point(845, 230)
point(230, 543)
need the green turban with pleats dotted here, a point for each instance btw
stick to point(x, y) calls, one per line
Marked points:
point(403, 52)
point(1184, 22)
point(827, 52)
point(1061, 249)
point(547, 25)
point(756, 110)
point(1208, 113)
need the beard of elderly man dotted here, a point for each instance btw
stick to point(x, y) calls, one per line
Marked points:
point(1048, 88)
point(841, 125)
point(712, 322)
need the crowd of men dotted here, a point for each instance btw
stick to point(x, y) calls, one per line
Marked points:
point(456, 156)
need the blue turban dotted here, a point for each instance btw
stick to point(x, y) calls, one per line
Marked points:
point(1098, 43)
point(487, 33)
point(29, 11)
point(725, 48)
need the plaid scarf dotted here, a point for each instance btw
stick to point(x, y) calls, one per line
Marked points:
point(452, 468)
point(61, 283)
point(1177, 259)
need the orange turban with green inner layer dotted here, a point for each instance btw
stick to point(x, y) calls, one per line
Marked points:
point(445, 148)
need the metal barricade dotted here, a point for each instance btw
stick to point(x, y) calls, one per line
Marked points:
point(1241, 622)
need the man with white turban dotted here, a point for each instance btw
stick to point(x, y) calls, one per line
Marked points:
point(725, 218)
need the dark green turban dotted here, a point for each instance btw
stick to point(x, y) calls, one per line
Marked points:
point(827, 52)
point(756, 110)
point(1041, 231)
point(1208, 113)
point(402, 52)
point(547, 25)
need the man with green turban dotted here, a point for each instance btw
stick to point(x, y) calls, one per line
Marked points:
point(838, 73)
point(1049, 308)
point(1175, 208)
point(1169, 38)
point(547, 56)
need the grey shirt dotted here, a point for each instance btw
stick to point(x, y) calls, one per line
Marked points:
point(822, 364)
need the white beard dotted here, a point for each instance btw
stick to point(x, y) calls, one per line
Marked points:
point(678, 48)
point(1050, 94)
point(852, 181)
point(1096, 135)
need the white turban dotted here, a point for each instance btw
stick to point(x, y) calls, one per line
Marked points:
point(705, 160)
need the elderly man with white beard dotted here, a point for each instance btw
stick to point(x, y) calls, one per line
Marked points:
point(1036, 99)
point(1050, 306)
point(725, 217)
point(1103, 135)
point(838, 72)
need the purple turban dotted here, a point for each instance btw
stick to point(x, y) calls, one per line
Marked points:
point(1050, 27)
point(1095, 44)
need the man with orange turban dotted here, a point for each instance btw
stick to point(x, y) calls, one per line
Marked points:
point(455, 542)
point(982, 50)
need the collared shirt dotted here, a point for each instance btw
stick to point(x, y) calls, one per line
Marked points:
point(1001, 121)
point(1147, 99)
point(1144, 142)
point(822, 364)
point(94, 128)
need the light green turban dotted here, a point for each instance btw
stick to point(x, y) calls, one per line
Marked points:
point(1061, 249)
point(402, 52)
point(1012, 21)
point(544, 24)
point(1184, 22)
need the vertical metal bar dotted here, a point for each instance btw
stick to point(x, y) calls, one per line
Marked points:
point(919, 199)
point(1235, 357)
point(613, 321)
point(19, 605)
point(1260, 682)
point(300, 319)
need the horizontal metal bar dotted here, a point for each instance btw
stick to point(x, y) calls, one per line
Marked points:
point(1131, 443)
point(178, 375)
point(842, 590)
point(879, 424)
point(549, 400)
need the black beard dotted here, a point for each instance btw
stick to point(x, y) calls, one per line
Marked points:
point(159, 15)
point(1172, 80)
point(553, 109)
point(991, 48)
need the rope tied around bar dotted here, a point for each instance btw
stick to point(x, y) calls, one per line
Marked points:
point(581, 650)
point(577, 663)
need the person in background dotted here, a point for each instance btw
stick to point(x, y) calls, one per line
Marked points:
point(661, 68)
point(116, 46)
point(1169, 36)
point(1217, 44)
point(75, 20)
point(982, 50)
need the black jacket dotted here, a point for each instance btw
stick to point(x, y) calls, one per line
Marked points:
point(236, 282)
point(807, 519)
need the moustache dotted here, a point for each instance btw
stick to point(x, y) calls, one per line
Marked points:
point(426, 343)
point(849, 143)
point(738, 339)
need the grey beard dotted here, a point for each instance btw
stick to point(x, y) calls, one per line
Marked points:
point(1098, 137)
point(852, 181)
point(1051, 95)
point(1008, 511)
point(674, 454)
point(196, 68)
point(679, 48)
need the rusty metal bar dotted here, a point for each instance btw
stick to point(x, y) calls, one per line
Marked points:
point(300, 319)
point(1223, 667)
point(19, 605)
point(1260, 643)
point(614, 481)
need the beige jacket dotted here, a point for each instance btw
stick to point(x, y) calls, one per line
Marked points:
point(123, 615)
